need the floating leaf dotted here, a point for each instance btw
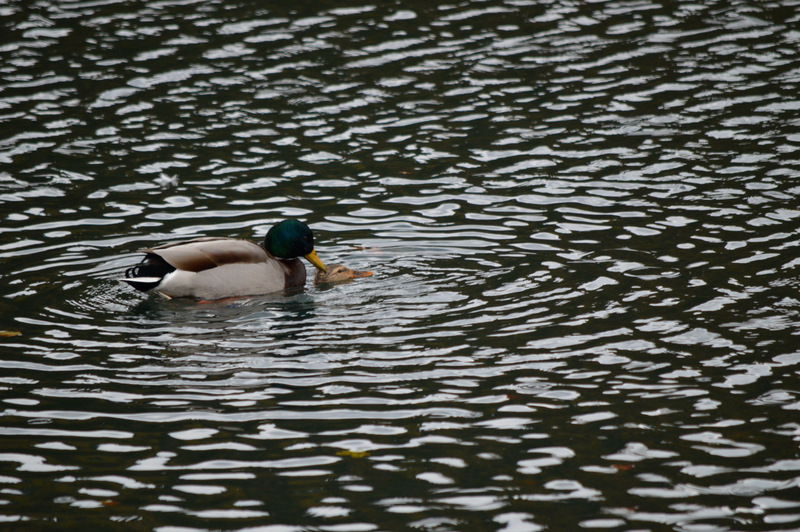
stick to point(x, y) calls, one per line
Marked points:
point(9, 334)
point(353, 454)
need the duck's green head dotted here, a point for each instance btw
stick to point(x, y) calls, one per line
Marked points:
point(290, 239)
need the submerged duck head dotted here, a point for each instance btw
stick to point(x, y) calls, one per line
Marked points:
point(337, 273)
point(290, 239)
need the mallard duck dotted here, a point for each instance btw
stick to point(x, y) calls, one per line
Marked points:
point(216, 268)
point(336, 273)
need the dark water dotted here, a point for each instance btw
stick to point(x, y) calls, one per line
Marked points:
point(583, 219)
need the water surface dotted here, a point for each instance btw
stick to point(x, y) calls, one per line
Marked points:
point(583, 223)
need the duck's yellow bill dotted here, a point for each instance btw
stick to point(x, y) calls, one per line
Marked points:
point(357, 274)
point(313, 259)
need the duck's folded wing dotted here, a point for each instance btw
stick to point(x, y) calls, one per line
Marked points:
point(205, 253)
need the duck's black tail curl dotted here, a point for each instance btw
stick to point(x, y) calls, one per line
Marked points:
point(149, 269)
point(147, 274)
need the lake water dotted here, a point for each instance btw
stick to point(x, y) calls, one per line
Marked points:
point(583, 220)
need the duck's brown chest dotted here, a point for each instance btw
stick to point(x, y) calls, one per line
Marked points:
point(295, 272)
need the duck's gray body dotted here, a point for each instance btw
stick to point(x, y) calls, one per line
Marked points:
point(214, 268)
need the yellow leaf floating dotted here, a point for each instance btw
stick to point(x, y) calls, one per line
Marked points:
point(9, 334)
point(353, 454)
